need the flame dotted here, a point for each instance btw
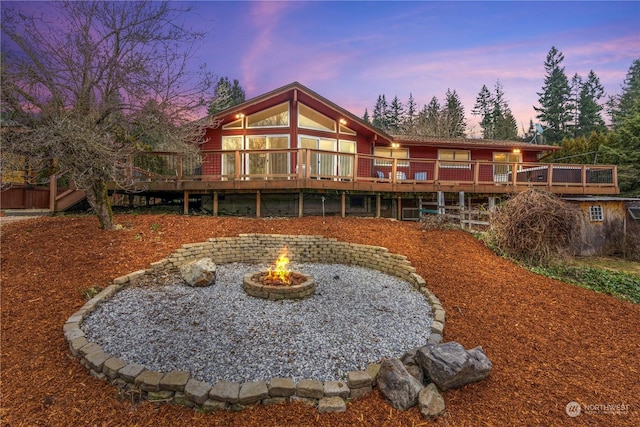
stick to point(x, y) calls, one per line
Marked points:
point(279, 270)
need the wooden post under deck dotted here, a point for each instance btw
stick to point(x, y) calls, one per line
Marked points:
point(300, 204)
point(399, 207)
point(215, 203)
point(258, 204)
point(185, 208)
point(377, 206)
point(343, 204)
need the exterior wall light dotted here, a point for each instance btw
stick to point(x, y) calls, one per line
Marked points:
point(395, 145)
point(343, 122)
point(239, 116)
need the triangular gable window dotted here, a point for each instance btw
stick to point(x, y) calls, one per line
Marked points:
point(346, 131)
point(277, 116)
point(236, 124)
point(311, 119)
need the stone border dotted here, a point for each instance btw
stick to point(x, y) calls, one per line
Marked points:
point(180, 388)
point(275, 293)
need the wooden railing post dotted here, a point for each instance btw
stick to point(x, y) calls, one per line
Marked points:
point(53, 192)
point(354, 171)
point(476, 173)
point(179, 167)
point(550, 176)
point(394, 171)
point(237, 164)
point(583, 176)
point(436, 171)
point(514, 174)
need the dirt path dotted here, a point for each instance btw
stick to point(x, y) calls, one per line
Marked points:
point(550, 342)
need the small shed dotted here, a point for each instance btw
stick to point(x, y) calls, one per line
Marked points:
point(611, 225)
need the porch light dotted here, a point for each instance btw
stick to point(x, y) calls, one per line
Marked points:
point(516, 151)
point(239, 116)
point(395, 145)
point(343, 122)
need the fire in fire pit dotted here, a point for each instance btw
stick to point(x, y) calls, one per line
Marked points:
point(279, 282)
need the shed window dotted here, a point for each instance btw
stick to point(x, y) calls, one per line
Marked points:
point(595, 213)
point(634, 212)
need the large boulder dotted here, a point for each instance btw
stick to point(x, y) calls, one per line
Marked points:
point(198, 273)
point(397, 385)
point(449, 365)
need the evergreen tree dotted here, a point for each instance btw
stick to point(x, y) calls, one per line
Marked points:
point(366, 117)
point(627, 103)
point(484, 109)
point(409, 120)
point(623, 148)
point(452, 116)
point(381, 114)
point(576, 88)
point(429, 119)
point(226, 95)
point(555, 106)
point(589, 109)
point(497, 119)
point(396, 113)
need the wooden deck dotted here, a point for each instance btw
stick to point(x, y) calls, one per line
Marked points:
point(296, 170)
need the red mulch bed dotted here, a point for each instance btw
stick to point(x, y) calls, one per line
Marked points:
point(550, 342)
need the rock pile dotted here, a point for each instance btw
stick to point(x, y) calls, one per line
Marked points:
point(419, 376)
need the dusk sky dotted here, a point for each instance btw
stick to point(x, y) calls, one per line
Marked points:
point(350, 52)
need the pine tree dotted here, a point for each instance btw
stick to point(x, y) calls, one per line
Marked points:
point(396, 113)
point(484, 109)
point(366, 117)
point(554, 111)
point(429, 119)
point(381, 114)
point(623, 148)
point(589, 109)
point(408, 125)
point(226, 95)
point(452, 116)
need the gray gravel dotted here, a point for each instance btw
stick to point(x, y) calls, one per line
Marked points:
point(356, 317)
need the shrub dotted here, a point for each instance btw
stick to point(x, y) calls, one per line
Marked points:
point(536, 227)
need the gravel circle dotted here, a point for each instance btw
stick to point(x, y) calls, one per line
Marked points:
point(356, 317)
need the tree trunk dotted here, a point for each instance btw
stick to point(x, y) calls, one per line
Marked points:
point(98, 198)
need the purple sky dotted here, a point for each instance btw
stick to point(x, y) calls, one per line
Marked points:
point(350, 52)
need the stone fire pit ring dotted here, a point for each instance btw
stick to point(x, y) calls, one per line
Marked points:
point(181, 388)
point(275, 293)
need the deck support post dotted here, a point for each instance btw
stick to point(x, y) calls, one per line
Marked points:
point(492, 204)
point(258, 204)
point(377, 205)
point(215, 203)
point(343, 204)
point(461, 211)
point(399, 207)
point(441, 205)
point(300, 204)
point(185, 208)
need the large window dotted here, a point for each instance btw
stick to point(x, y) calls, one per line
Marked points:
point(265, 163)
point(311, 119)
point(277, 116)
point(396, 153)
point(502, 167)
point(458, 155)
point(229, 159)
point(322, 163)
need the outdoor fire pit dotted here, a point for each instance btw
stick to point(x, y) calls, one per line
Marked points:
point(278, 282)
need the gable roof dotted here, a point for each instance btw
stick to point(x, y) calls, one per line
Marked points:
point(318, 98)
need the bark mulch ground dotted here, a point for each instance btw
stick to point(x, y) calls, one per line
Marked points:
point(550, 342)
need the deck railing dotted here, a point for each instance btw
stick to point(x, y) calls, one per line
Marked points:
point(309, 164)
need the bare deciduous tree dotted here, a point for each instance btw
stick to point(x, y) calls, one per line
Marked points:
point(84, 82)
